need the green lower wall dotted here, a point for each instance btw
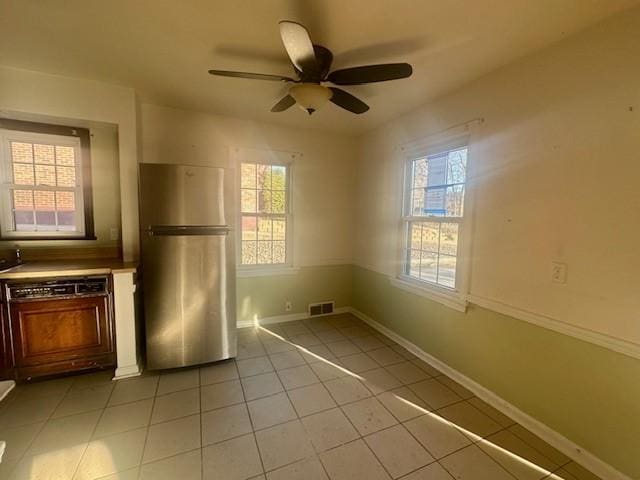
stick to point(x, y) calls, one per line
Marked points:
point(266, 296)
point(587, 393)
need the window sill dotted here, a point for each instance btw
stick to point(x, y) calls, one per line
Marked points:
point(451, 300)
point(266, 271)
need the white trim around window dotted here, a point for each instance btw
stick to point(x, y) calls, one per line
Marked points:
point(9, 184)
point(265, 158)
point(451, 292)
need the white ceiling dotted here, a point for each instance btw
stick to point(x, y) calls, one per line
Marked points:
point(163, 48)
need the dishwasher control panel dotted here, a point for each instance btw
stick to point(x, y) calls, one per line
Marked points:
point(67, 287)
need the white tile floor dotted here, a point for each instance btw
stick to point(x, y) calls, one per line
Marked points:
point(327, 398)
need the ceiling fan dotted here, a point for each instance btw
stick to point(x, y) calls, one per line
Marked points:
point(312, 64)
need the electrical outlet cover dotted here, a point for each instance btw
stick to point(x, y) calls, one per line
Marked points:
point(559, 272)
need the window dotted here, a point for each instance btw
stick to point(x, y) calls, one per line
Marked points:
point(434, 214)
point(43, 193)
point(265, 214)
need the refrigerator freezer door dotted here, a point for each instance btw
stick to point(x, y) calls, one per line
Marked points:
point(181, 195)
point(189, 289)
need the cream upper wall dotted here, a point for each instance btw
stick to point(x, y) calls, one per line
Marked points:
point(555, 168)
point(39, 94)
point(322, 177)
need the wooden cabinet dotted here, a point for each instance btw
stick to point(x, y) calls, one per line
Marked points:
point(61, 335)
point(5, 348)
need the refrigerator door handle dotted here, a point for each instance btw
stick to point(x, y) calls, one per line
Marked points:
point(179, 230)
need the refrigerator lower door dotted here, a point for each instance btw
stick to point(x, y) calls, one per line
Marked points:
point(189, 283)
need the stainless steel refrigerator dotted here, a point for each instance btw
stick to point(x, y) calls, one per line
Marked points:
point(188, 264)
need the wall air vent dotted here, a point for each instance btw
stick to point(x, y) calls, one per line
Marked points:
point(321, 308)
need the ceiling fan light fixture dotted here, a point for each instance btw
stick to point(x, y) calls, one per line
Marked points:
point(310, 96)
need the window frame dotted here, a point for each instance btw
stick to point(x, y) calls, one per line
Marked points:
point(32, 132)
point(453, 297)
point(281, 159)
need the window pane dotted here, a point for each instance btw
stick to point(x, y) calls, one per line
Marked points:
point(437, 169)
point(429, 266)
point(264, 228)
point(414, 263)
point(45, 175)
point(23, 174)
point(44, 201)
point(415, 240)
point(248, 201)
point(449, 238)
point(420, 173)
point(248, 253)
point(21, 152)
point(277, 202)
point(455, 201)
point(417, 202)
point(447, 271)
point(279, 252)
point(264, 252)
point(457, 166)
point(65, 156)
point(279, 177)
point(264, 201)
point(279, 227)
point(23, 220)
point(435, 201)
point(23, 199)
point(44, 154)
point(67, 221)
point(65, 201)
point(46, 220)
point(248, 175)
point(249, 228)
point(264, 176)
point(23, 210)
point(430, 236)
point(66, 176)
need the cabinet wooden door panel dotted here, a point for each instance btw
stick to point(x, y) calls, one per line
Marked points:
point(60, 330)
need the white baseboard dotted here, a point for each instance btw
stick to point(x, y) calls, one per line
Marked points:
point(5, 387)
point(290, 317)
point(566, 446)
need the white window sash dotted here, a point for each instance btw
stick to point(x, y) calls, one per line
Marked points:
point(411, 153)
point(6, 165)
point(256, 269)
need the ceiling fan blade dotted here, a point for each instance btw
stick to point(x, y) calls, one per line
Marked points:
point(347, 101)
point(251, 76)
point(370, 74)
point(298, 45)
point(286, 102)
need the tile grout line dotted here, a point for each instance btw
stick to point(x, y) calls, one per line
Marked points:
point(473, 442)
point(84, 451)
point(44, 424)
point(253, 432)
point(146, 437)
